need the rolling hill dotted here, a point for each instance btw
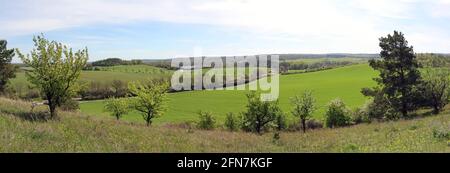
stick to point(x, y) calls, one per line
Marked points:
point(344, 83)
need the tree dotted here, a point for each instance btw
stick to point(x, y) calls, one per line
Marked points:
point(150, 98)
point(337, 114)
point(436, 85)
point(259, 114)
point(7, 70)
point(399, 74)
point(55, 70)
point(303, 107)
point(117, 107)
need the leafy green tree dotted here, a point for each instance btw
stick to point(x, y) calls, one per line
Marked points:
point(150, 98)
point(436, 88)
point(303, 107)
point(7, 70)
point(55, 70)
point(337, 114)
point(399, 73)
point(259, 114)
point(117, 107)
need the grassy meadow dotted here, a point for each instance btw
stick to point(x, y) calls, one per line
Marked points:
point(23, 131)
point(345, 83)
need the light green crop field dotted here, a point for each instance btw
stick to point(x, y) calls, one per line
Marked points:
point(137, 69)
point(106, 75)
point(345, 83)
point(315, 60)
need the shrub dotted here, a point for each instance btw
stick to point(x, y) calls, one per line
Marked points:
point(70, 105)
point(442, 132)
point(206, 121)
point(360, 115)
point(231, 122)
point(280, 122)
point(337, 114)
point(314, 124)
point(31, 94)
point(379, 108)
point(436, 88)
point(259, 114)
point(119, 88)
point(117, 107)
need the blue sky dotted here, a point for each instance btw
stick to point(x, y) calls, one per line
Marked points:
point(145, 29)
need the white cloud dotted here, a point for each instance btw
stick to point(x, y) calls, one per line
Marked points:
point(353, 24)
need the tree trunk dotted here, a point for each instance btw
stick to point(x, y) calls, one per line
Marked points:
point(53, 112)
point(304, 125)
point(404, 110)
point(148, 120)
point(436, 109)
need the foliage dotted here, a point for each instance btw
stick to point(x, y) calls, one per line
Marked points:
point(379, 108)
point(433, 60)
point(303, 107)
point(206, 121)
point(7, 70)
point(70, 105)
point(117, 107)
point(436, 88)
point(115, 61)
point(259, 115)
point(280, 122)
point(360, 115)
point(55, 69)
point(150, 98)
point(231, 122)
point(399, 73)
point(337, 114)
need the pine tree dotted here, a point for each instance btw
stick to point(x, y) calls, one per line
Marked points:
point(399, 73)
point(7, 70)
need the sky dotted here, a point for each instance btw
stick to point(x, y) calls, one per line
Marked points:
point(156, 29)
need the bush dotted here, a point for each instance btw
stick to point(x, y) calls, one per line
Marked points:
point(337, 114)
point(31, 94)
point(117, 107)
point(231, 122)
point(360, 115)
point(70, 105)
point(280, 122)
point(314, 124)
point(441, 132)
point(260, 115)
point(206, 121)
point(379, 108)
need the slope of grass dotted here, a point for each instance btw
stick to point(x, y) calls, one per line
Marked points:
point(344, 82)
point(75, 132)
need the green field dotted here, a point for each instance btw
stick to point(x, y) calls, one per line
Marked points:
point(105, 75)
point(316, 60)
point(344, 83)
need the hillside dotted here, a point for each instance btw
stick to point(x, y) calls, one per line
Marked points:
point(344, 83)
point(75, 132)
